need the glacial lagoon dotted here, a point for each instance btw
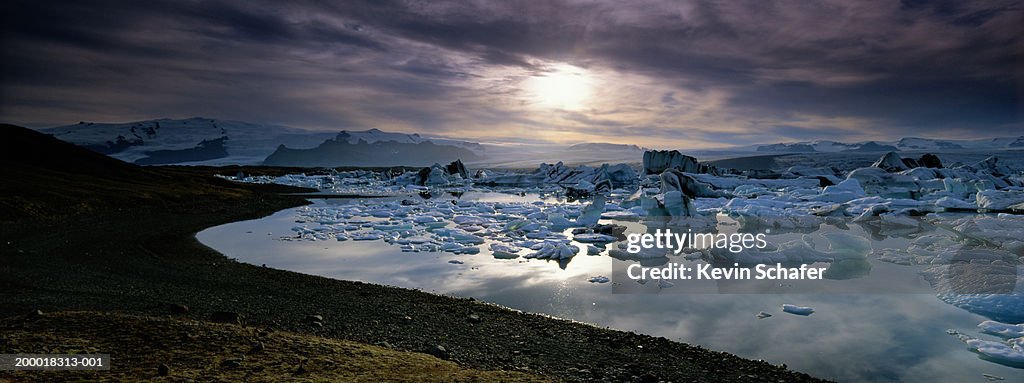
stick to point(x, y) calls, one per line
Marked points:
point(881, 321)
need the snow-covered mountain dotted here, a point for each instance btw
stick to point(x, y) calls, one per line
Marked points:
point(903, 144)
point(914, 143)
point(193, 140)
point(210, 141)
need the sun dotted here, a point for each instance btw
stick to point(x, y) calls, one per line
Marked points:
point(563, 87)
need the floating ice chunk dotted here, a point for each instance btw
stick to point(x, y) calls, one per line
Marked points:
point(999, 199)
point(888, 220)
point(624, 215)
point(593, 250)
point(953, 203)
point(459, 249)
point(504, 251)
point(678, 204)
point(552, 250)
point(797, 310)
point(417, 239)
point(1002, 230)
point(341, 237)
point(456, 262)
point(1002, 329)
point(599, 279)
point(366, 236)
point(468, 220)
point(537, 216)
point(460, 236)
point(845, 246)
point(663, 284)
point(592, 212)
point(762, 315)
point(1010, 352)
point(586, 186)
point(797, 251)
point(845, 191)
point(876, 181)
point(890, 162)
point(558, 221)
point(594, 238)
point(424, 219)
point(392, 227)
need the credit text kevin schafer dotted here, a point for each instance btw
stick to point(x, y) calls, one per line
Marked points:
point(734, 243)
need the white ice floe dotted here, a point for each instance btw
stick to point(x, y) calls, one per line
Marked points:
point(1002, 329)
point(797, 310)
point(599, 279)
point(593, 238)
point(504, 251)
point(999, 199)
point(554, 250)
point(366, 236)
point(1009, 352)
point(954, 203)
point(592, 212)
point(847, 190)
point(1002, 231)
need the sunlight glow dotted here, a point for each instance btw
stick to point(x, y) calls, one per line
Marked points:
point(564, 87)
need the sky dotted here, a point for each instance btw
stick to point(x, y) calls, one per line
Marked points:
point(686, 74)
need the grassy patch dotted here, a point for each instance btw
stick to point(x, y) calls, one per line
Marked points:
point(211, 352)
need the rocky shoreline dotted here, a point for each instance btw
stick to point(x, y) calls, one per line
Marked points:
point(149, 263)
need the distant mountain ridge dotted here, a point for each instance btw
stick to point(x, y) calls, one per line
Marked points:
point(903, 144)
point(374, 148)
point(208, 141)
point(211, 141)
point(376, 135)
point(191, 140)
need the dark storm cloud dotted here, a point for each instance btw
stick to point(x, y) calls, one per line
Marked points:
point(726, 72)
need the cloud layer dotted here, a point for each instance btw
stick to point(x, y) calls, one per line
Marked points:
point(659, 74)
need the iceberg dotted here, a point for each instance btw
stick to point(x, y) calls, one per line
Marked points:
point(553, 250)
point(1009, 352)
